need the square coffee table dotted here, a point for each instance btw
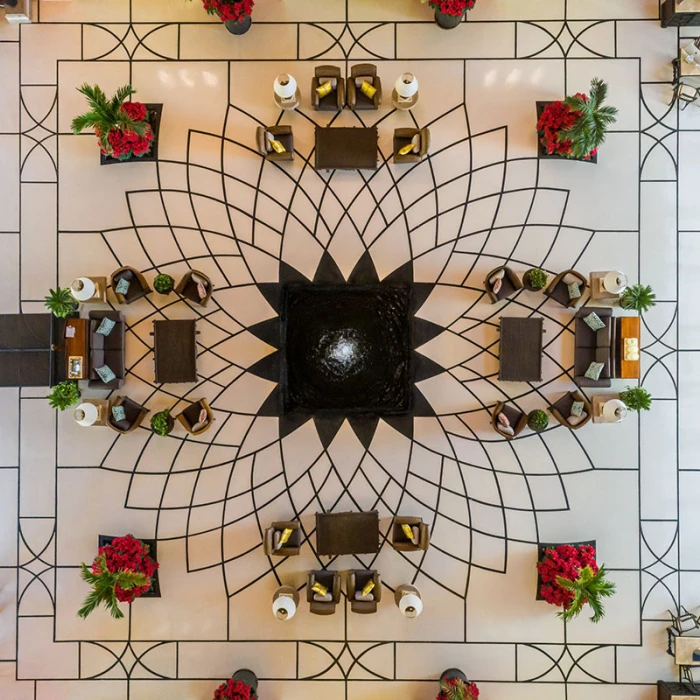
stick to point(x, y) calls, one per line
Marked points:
point(521, 349)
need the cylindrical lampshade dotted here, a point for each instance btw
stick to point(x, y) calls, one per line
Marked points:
point(284, 607)
point(614, 411)
point(285, 86)
point(615, 282)
point(82, 288)
point(411, 605)
point(86, 414)
point(406, 85)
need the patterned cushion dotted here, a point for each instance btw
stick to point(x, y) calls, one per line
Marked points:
point(577, 408)
point(503, 420)
point(574, 290)
point(497, 286)
point(118, 413)
point(105, 374)
point(594, 370)
point(593, 321)
point(122, 286)
point(202, 290)
point(105, 328)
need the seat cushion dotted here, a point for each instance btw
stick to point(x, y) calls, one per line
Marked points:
point(560, 293)
point(603, 337)
point(583, 358)
point(585, 336)
point(506, 289)
point(564, 404)
point(115, 360)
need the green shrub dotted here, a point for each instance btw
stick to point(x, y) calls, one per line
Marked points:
point(60, 302)
point(537, 278)
point(639, 297)
point(64, 395)
point(163, 284)
point(537, 420)
point(161, 423)
point(636, 398)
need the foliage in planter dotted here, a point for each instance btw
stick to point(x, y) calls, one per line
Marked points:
point(64, 395)
point(636, 398)
point(60, 302)
point(571, 578)
point(234, 690)
point(162, 423)
point(163, 284)
point(639, 297)
point(455, 8)
point(576, 127)
point(121, 572)
point(537, 420)
point(229, 10)
point(537, 278)
point(457, 689)
point(122, 128)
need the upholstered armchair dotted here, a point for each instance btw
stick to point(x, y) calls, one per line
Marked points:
point(558, 289)
point(329, 579)
point(516, 418)
point(134, 414)
point(188, 287)
point(357, 580)
point(421, 534)
point(271, 539)
point(334, 101)
point(421, 144)
point(283, 134)
point(189, 418)
point(510, 283)
point(356, 98)
point(561, 410)
point(138, 287)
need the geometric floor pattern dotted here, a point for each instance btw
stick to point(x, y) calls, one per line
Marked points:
point(481, 199)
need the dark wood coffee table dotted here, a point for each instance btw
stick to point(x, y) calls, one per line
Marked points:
point(521, 350)
point(175, 351)
point(346, 148)
point(347, 533)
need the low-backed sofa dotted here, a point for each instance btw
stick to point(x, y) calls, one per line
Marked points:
point(107, 349)
point(595, 346)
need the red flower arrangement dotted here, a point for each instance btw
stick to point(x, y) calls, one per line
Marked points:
point(123, 143)
point(455, 8)
point(229, 10)
point(564, 561)
point(557, 118)
point(234, 690)
point(457, 689)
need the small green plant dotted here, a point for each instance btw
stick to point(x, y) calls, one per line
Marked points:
point(537, 278)
point(60, 302)
point(537, 420)
point(161, 423)
point(636, 398)
point(588, 588)
point(163, 284)
point(64, 395)
point(639, 297)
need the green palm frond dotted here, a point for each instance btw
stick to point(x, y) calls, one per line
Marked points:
point(588, 588)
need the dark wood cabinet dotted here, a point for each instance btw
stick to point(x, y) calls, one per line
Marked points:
point(680, 14)
point(674, 691)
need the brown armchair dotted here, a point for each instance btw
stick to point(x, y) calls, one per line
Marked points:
point(134, 414)
point(356, 98)
point(189, 417)
point(561, 410)
point(510, 283)
point(334, 101)
point(402, 137)
point(558, 289)
point(401, 543)
point(357, 580)
point(283, 134)
point(293, 545)
point(516, 418)
point(329, 579)
point(187, 287)
point(138, 287)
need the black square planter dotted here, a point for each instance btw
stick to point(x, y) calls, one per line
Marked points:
point(154, 590)
point(544, 546)
point(155, 112)
point(346, 349)
point(542, 151)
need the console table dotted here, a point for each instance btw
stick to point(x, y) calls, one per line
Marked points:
point(76, 348)
point(629, 328)
point(680, 13)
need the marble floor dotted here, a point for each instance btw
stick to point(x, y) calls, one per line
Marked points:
point(482, 198)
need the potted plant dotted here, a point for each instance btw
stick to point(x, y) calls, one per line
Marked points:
point(126, 131)
point(243, 685)
point(537, 420)
point(639, 297)
point(163, 284)
point(122, 571)
point(575, 127)
point(570, 578)
point(455, 686)
point(64, 395)
point(535, 279)
point(636, 398)
point(162, 423)
point(449, 13)
point(235, 14)
point(60, 302)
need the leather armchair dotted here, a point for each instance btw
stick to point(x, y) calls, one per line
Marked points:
point(559, 290)
point(516, 417)
point(283, 134)
point(189, 417)
point(293, 545)
point(356, 98)
point(329, 579)
point(138, 287)
point(401, 543)
point(135, 413)
point(561, 410)
point(511, 283)
point(357, 580)
point(333, 101)
point(187, 287)
point(402, 137)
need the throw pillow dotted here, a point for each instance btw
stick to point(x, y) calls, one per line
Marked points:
point(363, 79)
point(118, 413)
point(497, 276)
point(574, 290)
point(324, 89)
point(369, 597)
point(323, 598)
point(203, 415)
point(503, 420)
point(571, 278)
point(368, 90)
point(406, 149)
point(507, 430)
point(577, 408)
point(201, 290)
point(105, 328)
point(416, 143)
point(593, 321)
point(577, 420)
point(105, 374)
point(497, 286)
point(122, 286)
point(278, 146)
point(594, 370)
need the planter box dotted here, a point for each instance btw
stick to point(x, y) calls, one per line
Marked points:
point(155, 111)
point(542, 548)
point(542, 151)
point(154, 590)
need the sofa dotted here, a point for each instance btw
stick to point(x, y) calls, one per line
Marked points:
point(558, 289)
point(138, 287)
point(516, 418)
point(281, 133)
point(187, 287)
point(404, 136)
point(420, 530)
point(334, 101)
point(510, 283)
point(561, 410)
point(594, 346)
point(356, 98)
point(189, 417)
point(357, 580)
point(293, 545)
point(134, 413)
point(329, 579)
point(107, 349)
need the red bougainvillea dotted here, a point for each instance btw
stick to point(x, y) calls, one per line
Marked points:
point(229, 10)
point(455, 8)
point(457, 689)
point(124, 143)
point(556, 118)
point(564, 561)
point(234, 690)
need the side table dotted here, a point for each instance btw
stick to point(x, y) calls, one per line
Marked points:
point(598, 292)
point(680, 14)
point(102, 406)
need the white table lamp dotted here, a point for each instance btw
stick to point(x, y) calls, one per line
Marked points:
point(406, 85)
point(285, 86)
point(285, 602)
point(614, 411)
point(615, 282)
point(408, 600)
point(82, 288)
point(86, 414)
